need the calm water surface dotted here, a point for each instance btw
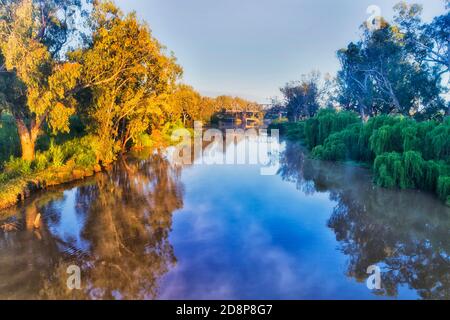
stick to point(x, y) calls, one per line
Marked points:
point(150, 230)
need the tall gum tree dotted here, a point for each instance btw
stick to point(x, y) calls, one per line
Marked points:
point(127, 74)
point(35, 86)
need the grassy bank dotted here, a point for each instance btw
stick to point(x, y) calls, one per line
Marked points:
point(61, 160)
point(20, 188)
point(402, 152)
point(61, 163)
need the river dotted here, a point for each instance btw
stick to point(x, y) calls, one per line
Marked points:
point(151, 230)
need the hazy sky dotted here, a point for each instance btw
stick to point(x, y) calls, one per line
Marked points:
point(252, 47)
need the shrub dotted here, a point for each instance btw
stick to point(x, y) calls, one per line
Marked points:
point(16, 167)
point(40, 162)
point(334, 150)
point(295, 130)
point(9, 139)
point(311, 132)
point(81, 151)
point(443, 189)
point(431, 172)
point(144, 141)
point(404, 153)
point(414, 165)
point(387, 139)
point(56, 155)
point(439, 139)
point(389, 171)
point(325, 123)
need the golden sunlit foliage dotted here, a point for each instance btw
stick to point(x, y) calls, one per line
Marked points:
point(128, 77)
point(37, 86)
point(77, 105)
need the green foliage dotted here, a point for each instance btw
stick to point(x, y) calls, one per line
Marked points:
point(409, 171)
point(431, 172)
point(170, 127)
point(144, 141)
point(439, 140)
point(41, 162)
point(334, 150)
point(389, 170)
point(81, 151)
point(325, 123)
point(56, 155)
point(16, 166)
point(312, 132)
point(404, 153)
point(9, 139)
point(296, 130)
point(444, 189)
point(413, 164)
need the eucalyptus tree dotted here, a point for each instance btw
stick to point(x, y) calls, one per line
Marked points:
point(127, 77)
point(302, 97)
point(35, 83)
point(378, 76)
point(428, 44)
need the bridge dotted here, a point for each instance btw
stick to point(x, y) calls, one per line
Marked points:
point(250, 117)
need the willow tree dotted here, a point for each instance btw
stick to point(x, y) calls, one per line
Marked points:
point(126, 73)
point(35, 84)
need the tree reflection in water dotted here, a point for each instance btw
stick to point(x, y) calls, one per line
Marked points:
point(127, 219)
point(26, 252)
point(116, 228)
point(406, 233)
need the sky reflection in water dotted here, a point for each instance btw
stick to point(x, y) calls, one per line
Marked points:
point(149, 230)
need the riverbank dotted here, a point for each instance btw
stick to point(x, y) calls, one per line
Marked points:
point(402, 153)
point(73, 160)
point(21, 188)
point(147, 201)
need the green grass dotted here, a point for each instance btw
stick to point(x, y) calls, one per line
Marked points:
point(9, 139)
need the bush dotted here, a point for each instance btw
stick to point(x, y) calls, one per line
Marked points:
point(81, 151)
point(340, 146)
point(41, 162)
point(144, 141)
point(325, 123)
point(443, 189)
point(404, 153)
point(439, 140)
point(295, 130)
point(431, 173)
point(311, 132)
point(9, 139)
point(389, 171)
point(405, 171)
point(334, 151)
point(387, 139)
point(17, 167)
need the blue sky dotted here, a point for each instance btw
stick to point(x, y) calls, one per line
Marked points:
point(252, 47)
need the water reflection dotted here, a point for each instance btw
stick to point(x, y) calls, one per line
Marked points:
point(407, 233)
point(310, 232)
point(123, 247)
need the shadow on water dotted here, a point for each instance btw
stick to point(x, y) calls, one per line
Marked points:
point(116, 228)
point(406, 233)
